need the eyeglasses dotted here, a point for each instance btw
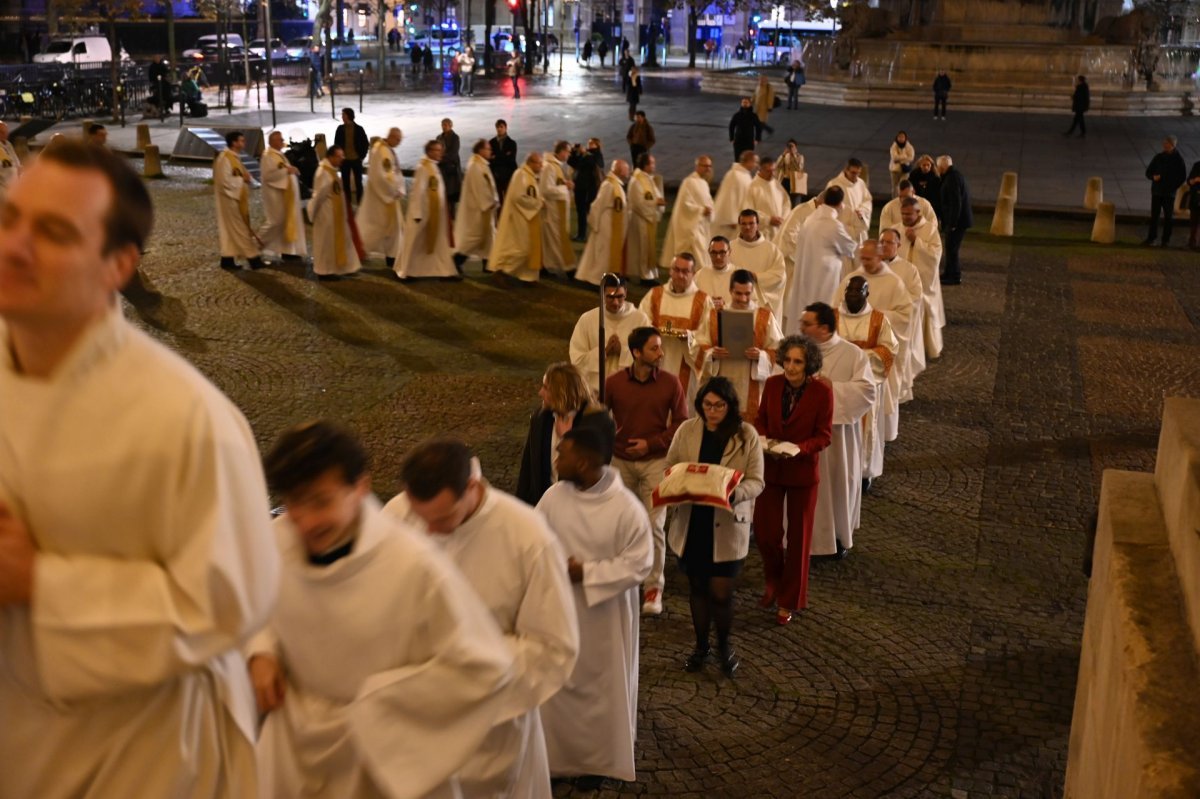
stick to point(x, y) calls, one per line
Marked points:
point(714, 406)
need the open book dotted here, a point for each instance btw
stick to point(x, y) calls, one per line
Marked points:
point(784, 449)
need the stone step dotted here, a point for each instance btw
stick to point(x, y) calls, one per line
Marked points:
point(1177, 478)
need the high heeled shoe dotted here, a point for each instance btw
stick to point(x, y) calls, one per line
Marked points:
point(783, 617)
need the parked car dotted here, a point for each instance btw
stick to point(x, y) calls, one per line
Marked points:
point(445, 40)
point(78, 50)
point(299, 50)
point(279, 51)
point(212, 54)
point(211, 40)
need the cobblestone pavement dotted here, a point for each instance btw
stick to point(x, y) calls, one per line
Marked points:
point(940, 658)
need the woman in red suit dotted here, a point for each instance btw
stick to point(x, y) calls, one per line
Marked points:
point(796, 406)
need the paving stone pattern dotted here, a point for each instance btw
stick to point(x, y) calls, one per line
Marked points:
point(940, 658)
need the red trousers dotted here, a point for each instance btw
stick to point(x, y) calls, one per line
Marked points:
point(786, 570)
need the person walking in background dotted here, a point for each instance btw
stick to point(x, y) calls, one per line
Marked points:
point(794, 80)
point(514, 73)
point(589, 174)
point(1193, 181)
point(587, 54)
point(451, 164)
point(353, 140)
point(633, 90)
point(1166, 173)
point(416, 59)
point(790, 169)
point(602, 52)
point(745, 129)
point(941, 93)
point(957, 217)
point(1081, 101)
point(640, 136)
point(764, 101)
point(901, 154)
point(625, 66)
point(315, 89)
point(466, 71)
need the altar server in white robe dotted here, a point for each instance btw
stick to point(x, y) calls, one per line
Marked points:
point(621, 318)
point(475, 220)
point(889, 295)
point(372, 620)
point(839, 492)
point(134, 520)
point(558, 254)
point(855, 212)
point(334, 252)
point(749, 369)
point(591, 724)
point(381, 215)
point(869, 329)
point(691, 216)
point(425, 248)
point(646, 204)
point(283, 231)
point(789, 232)
point(680, 311)
point(514, 562)
point(713, 280)
point(731, 195)
point(751, 250)
point(889, 250)
point(231, 187)
point(922, 246)
point(822, 248)
point(517, 251)
point(607, 221)
point(889, 216)
point(768, 198)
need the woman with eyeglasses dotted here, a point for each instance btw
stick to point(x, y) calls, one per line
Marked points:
point(712, 543)
point(796, 407)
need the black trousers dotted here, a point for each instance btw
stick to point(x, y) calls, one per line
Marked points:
point(355, 168)
point(516, 87)
point(1077, 122)
point(583, 204)
point(634, 151)
point(793, 97)
point(939, 102)
point(1164, 206)
point(954, 240)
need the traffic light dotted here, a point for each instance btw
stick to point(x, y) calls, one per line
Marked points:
point(513, 5)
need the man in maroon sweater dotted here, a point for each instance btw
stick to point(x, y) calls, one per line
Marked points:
point(648, 405)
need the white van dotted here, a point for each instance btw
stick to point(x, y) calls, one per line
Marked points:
point(78, 50)
point(212, 41)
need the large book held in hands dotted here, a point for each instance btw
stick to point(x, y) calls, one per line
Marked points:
point(735, 330)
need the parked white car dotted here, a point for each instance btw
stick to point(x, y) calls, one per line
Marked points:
point(300, 49)
point(279, 51)
point(78, 50)
point(211, 41)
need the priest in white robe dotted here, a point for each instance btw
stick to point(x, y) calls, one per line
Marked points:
point(511, 558)
point(681, 312)
point(334, 252)
point(749, 369)
point(889, 216)
point(751, 250)
point(889, 295)
point(558, 254)
point(691, 217)
point(621, 318)
point(591, 724)
point(823, 246)
point(426, 249)
point(283, 231)
point(922, 246)
point(134, 520)
point(714, 280)
point(517, 251)
point(381, 215)
point(788, 239)
point(607, 221)
point(475, 219)
point(731, 195)
point(371, 621)
point(231, 186)
point(839, 492)
point(869, 329)
point(914, 364)
point(646, 204)
point(769, 199)
point(855, 212)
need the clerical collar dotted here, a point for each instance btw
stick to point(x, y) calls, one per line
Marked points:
point(331, 556)
point(866, 310)
point(687, 290)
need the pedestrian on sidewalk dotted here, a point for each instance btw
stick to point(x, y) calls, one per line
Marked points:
point(956, 216)
point(416, 60)
point(353, 140)
point(633, 90)
point(745, 129)
point(456, 73)
point(764, 101)
point(466, 70)
point(794, 80)
point(315, 89)
point(1081, 101)
point(587, 54)
point(941, 93)
point(626, 66)
point(640, 137)
point(427, 59)
point(514, 73)
point(1166, 173)
point(602, 51)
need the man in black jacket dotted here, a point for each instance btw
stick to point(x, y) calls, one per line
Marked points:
point(941, 93)
point(504, 157)
point(745, 129)
point(1166, 174)
point(351, 137)
point(955, 203)
point(589, 174)
point(1081, 101)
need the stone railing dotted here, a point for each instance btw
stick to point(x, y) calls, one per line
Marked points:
point(1136, 728)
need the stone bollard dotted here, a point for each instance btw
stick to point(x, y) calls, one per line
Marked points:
point(1002, 219)
point(143, 136)
point(85, 126)
point(319, 146)
point(21, 147)
point(1094, 195)
point(1104, 229)
point(152, 163)
point(1008, 186)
